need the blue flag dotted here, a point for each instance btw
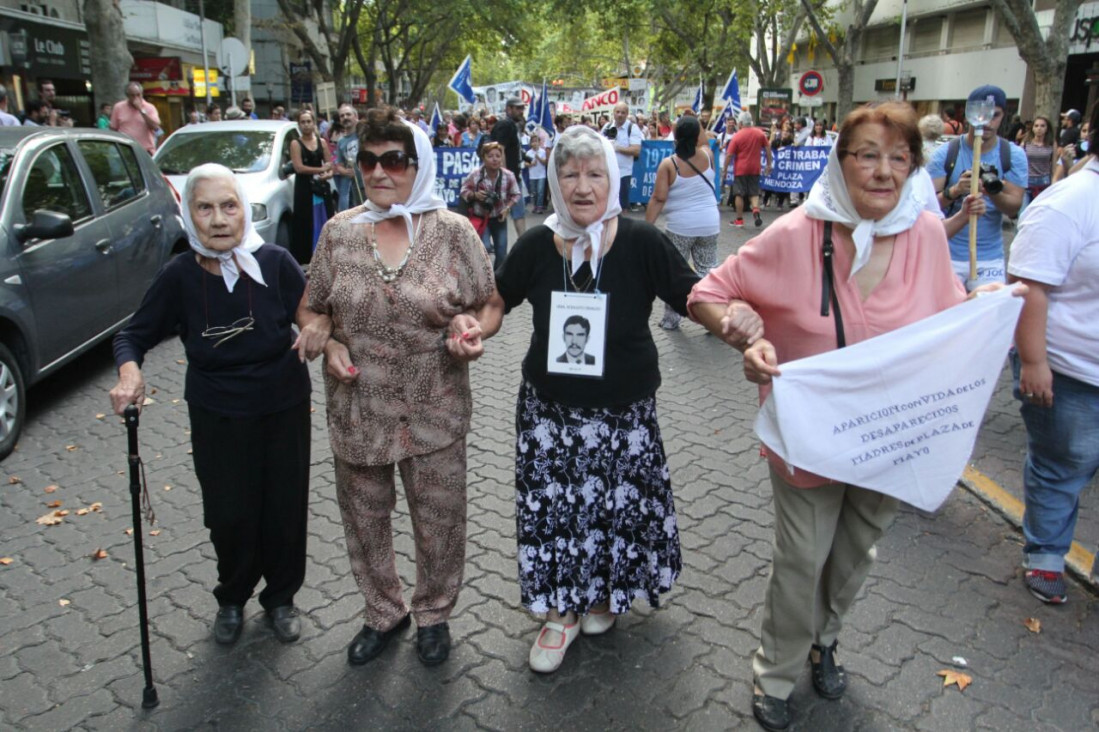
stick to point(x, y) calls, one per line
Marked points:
point(462, 81)
point(726, 116)
point(697, 104)
point(731, 94)
point(436, 119)
point(540, 112)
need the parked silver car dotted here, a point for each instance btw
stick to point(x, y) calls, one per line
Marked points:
point(256, 150)
point(86, 222)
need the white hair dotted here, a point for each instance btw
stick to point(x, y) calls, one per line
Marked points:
point(745, 119)
point(579, 142)
point(208, 171)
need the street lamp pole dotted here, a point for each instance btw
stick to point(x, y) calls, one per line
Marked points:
point(205, 58)
point(900, 51)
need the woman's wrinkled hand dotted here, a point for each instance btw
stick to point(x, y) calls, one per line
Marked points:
point(463, 338)
point(760, 362)
point(337, 361)
point(130, 388)
point(741, 325)
point(311, 340)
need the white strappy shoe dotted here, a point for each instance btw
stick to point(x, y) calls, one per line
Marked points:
point(546, 659)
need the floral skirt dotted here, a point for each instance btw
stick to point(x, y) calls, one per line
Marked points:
point(593, 506)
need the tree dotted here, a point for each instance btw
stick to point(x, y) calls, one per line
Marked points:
point(111, 61)
point(337, 32)
point(776, 24)
point(843, 50)
point(1047, 58)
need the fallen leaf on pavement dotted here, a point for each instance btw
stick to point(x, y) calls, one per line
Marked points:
point(53, 504)
point(14, 479)
point(6, 561)
point(64, 603)
point(148, 401)
point(1034, 625)
point(154, 532)
point(62, 512)
point(97, 506)
point(70, 448)
point(50, 488)
point(81, 512)
point(955, 677)
point(180, 361)
point(129, 532)
point(50, 519)
point(99, 554)
point(167, 487)
point(101, 416)
point(153, 390)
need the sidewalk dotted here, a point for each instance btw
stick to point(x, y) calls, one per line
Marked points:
point(945, 586)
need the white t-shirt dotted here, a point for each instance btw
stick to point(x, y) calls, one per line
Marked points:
point(628, 134)
point(1058, 245)
point(538, 170)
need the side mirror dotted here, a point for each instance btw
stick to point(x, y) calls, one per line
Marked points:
point(45, 225)
point(286, 170)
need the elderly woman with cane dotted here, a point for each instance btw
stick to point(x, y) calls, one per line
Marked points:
point(233, 304)
point(392, 275)
point(594, 511)
point(892, 267)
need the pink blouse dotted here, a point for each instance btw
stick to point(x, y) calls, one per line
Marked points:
point(779, 274)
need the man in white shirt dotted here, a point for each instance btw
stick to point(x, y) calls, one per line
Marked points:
point(626, 137)
point(6, 119)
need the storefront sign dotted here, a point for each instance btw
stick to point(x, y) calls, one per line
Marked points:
point(156, 69)
point(43, 50)
point(774, 104)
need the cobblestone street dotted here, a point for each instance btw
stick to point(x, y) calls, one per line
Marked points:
point(945, 586)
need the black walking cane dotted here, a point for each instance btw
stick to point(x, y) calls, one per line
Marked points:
point(137, 474)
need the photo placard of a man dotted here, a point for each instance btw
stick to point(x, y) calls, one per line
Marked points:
point(576, 331)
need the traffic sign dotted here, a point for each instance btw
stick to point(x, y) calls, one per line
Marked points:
point(811, 83)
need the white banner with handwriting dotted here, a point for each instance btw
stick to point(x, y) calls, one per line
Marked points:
point(898, 413)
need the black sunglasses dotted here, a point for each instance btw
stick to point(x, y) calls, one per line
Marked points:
point(394, 161)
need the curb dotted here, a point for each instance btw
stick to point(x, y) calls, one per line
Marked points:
point(1079, 561)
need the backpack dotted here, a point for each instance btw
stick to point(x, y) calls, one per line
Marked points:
point(954, 147)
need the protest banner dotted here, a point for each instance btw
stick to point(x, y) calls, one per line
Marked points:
point(795, 169)
point(452, 165)
point(898, 413)
point(643, 179)
point(604, 101)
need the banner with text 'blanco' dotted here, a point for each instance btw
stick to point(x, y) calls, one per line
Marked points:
point(897, 413)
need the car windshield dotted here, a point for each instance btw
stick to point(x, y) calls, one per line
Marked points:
point(7, 155)
point(244, 151)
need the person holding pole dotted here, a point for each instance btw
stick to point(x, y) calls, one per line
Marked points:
point(999, 174)
point(233, 302)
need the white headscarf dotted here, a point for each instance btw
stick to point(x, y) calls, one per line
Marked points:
point(240, 257)
point(422, 198)
point(829, 201)
point(591, 236)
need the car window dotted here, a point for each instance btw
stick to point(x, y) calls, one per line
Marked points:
point(53, 184)
point(243, 151)
point(290, 137)
point(7, 157)
point(114, 179)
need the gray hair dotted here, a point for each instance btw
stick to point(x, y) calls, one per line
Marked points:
point(931, 127)
point(745, 119)
point(234, 112)
point(208, 171)
point(578, 142)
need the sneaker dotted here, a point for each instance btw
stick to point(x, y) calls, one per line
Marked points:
point(1048, 587)
point(739, 223)
point(759, 221)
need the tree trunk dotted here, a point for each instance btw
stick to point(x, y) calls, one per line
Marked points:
point(1048, 88)
point(845, 91)
point(112, 60)
point(242, 23)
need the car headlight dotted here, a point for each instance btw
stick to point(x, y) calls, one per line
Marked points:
point(259, 212)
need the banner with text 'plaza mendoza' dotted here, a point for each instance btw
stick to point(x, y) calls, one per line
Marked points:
point(795, 169)
point(898, 413)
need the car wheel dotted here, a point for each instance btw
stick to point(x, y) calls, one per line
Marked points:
point(282, 234)
point(13, 405)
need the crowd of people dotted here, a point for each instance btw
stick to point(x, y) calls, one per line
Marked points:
point(402, 295)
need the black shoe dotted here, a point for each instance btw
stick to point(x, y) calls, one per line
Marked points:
point(829, 680)
point(759, 221)
point(433, 644)
point(285, 621)
point(771, 712)
point(228, 624)
point(369, 642)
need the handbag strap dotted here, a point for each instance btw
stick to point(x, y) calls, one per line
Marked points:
point(700, 175)
point(828, 286)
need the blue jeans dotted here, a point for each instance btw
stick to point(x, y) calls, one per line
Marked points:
point(495, 238)
point(343, 191)
point(1062, 458)
point(537, 192)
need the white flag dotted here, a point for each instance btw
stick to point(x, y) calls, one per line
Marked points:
point(897, 413)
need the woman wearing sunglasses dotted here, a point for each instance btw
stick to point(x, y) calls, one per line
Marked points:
point(391, 275)
point(233, 304)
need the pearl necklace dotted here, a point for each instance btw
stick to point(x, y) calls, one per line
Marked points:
point(387, 273)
